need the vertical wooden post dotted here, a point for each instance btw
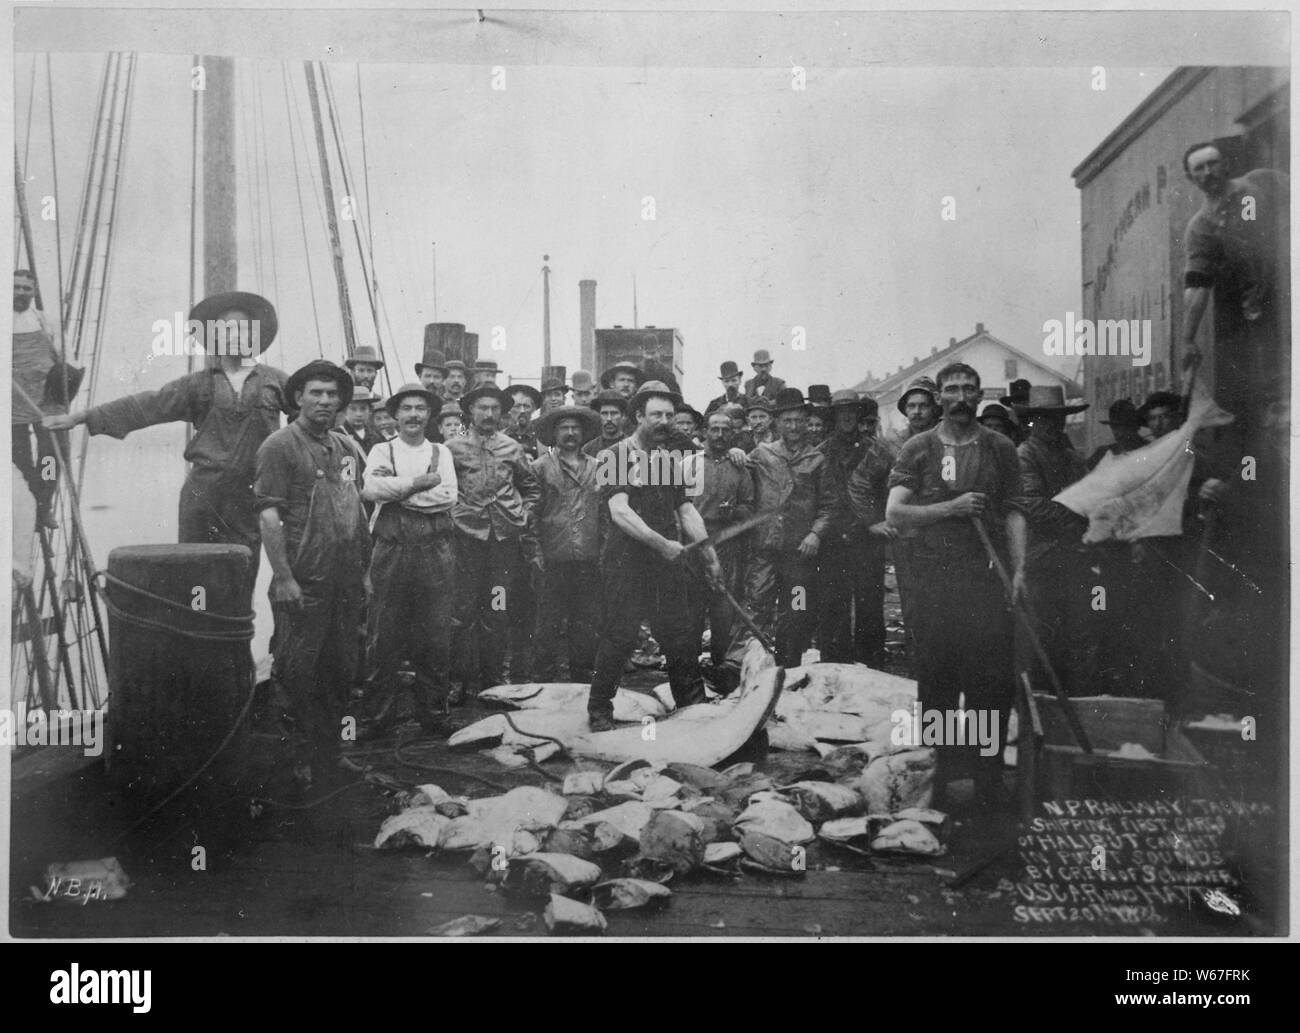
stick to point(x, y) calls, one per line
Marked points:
point(220, 203)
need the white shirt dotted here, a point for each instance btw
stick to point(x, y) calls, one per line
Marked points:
point(390, 479)
point(30, 320)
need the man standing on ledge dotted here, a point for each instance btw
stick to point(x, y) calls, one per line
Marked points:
point(308, 491)
point(640, 565)
point(943, 482)
point(234, 405)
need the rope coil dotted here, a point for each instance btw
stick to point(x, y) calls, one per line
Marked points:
point(229, 629)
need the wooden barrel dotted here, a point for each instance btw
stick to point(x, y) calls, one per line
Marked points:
point(180, 670)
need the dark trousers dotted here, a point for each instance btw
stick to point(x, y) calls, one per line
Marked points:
point(317, 652)
point(781, 597)
point(412, 571)
point(481, 618)
point(42, 472)
point(568, 620)
point(524, 590)
point(1061, 600)
point(851, 611)
point(962, 624)
point(721, 614)
point(213, 515)
point(659, 597)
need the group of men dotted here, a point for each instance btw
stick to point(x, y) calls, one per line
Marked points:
point(463, 523)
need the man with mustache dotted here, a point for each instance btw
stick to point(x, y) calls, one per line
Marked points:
point(611, 407)
point(455, 381)
point(568, 524)
point(795, 481)
point(412, 481)
point(762, 384)
point(308, 498)
point(943, 481)
point(644, 488)
point(729, 374)
point(493, 515)
point(1238, 247)
point(726, 497)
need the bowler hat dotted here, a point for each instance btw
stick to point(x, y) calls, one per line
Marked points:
point(728, 369)
point(259, 310)
point(435, 404)
point(583, 380)
point(547, 423)
point(1122, 414)
point(788, 398)
point(364, 354)
point(820, 394)
point(319, 369)
point(762, 357)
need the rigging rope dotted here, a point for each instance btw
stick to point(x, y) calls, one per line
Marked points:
point(266, 174)
point(253, 177)
point(302, 212)
point(27, 144)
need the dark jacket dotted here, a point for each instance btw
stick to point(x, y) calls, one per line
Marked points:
point(800, 488)
point(769, 390)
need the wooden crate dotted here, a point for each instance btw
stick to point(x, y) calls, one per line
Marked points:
point(1052, 765)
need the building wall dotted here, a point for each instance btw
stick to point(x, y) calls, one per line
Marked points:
point(1134, 213)
point(663, 345)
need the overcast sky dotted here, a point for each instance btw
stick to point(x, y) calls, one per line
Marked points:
point(773, 207)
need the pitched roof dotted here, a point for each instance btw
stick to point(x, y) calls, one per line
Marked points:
point(903, 377)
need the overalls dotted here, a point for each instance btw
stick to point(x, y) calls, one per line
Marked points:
point(317, 646)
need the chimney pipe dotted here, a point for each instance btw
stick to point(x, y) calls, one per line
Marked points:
point(979, 328)
point(587, 324)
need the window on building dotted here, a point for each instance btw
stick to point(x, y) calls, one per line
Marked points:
point(1009, 370)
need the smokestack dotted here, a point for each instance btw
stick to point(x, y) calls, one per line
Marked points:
point(587, 324)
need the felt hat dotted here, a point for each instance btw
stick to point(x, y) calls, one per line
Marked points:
point(607, 378)
point(758, 402)
point(486, 391)
point(433, 359)
point(486, 366)
point(1047, 398)
point(362, 394)
point(320, 369)
point(789, 398)
point(728, 369)
point(609, 398)
point(924, 384)
point(546, 423)
point(1159, 399)
point(554, 384)
point(364, 354)
point(820, 395)
point(259, 310)
point(1017, 392)
point(656, 389)
point(762, 357)
point(513, 389)
point(583, 380)
point(1122, 414)
point(435, 404)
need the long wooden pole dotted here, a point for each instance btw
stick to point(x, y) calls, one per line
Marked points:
point(546, 313)
point(331, 213)
point(1076, 726)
